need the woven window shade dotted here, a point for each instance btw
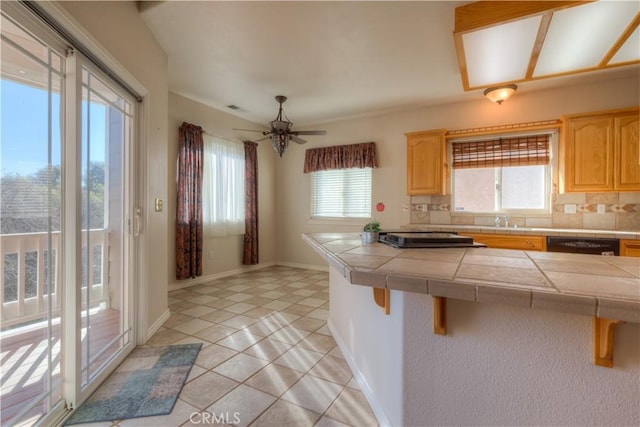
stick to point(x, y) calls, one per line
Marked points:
point(520, 151)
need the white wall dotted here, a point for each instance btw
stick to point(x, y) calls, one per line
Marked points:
point(497, 365)
point(220, 254)
point(118, 28)
point(389, 187)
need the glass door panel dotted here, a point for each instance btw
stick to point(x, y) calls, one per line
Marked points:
point(30, 213)
point(106, 135)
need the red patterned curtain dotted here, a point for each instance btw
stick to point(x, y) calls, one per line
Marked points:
point(189, 203)
point(341, 157)
point(250, 254)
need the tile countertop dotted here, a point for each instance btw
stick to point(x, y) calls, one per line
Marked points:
point(591, 285)
point(569, 232)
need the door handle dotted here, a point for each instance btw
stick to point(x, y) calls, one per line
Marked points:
point(138, 222)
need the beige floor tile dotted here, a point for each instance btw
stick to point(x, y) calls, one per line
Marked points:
point(193, 340)
point(329, 422)
point(318, 342)
point(299, 358)
point(268, 349)
point(262, 328)
point(240, 367)
point(218, 316)
point(215, 333)
point(336, 352)
point(240, 340)
point(259, 312)
point(307, 323)
point(202, 299)
point(190, 327)
point(180, 413)
point(313, 393)
point(290, 335)
point(300, 310)
point(352, 408)
point(277, 305)
point(199, 310)
point(312, 302)
point(175, 319)
point(244, 401)
point(165, 337)
point(319, 313)
point(239, 288)
point(285, 414)
point(221, 303)
point(332, 369)
point(293, 299)
point(206, 389)
point(274, 379)
point(323, 330)
point(195, 372)
point(353, 384)
point(214, 355)
point(240, 321)
point(240, 308)
point(239, 297)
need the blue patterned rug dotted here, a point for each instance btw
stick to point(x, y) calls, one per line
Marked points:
point(147, 383)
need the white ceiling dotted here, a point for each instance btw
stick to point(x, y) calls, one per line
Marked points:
point(333, 60)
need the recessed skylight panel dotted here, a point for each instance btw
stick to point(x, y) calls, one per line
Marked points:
point(500, 53)
point(630, 51)
point(579, 37)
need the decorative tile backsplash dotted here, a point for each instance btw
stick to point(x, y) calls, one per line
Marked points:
point(599, 211)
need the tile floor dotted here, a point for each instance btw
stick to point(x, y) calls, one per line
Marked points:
point(268, 358)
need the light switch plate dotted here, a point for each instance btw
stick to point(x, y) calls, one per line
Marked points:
point(601, 208)
point(570, 208)
point(159, 205)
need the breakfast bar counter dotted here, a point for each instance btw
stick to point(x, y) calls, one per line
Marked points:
point(524, 327)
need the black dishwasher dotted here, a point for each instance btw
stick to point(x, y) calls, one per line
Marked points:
point(587, 245)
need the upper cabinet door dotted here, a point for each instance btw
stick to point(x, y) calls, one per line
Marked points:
point(601, 151)
point(426, 156)
point(627, 175)
point(589, 162)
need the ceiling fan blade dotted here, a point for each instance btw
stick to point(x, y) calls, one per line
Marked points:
point(309, 132)
point(249, 130)
point(261, 139)
point(297, 140)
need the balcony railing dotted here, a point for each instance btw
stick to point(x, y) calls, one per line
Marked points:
point(31, 264)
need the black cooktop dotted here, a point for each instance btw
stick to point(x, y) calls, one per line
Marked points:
point(427, 239)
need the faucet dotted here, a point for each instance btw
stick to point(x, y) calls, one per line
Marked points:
point(497, 220)
point(506, 221)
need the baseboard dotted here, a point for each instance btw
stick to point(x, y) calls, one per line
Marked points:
point(211, 277)
point(305, 266)
point(156, 325)
point(362, 382)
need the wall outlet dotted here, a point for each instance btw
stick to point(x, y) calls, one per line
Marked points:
point(570, 208)
point(601, 208)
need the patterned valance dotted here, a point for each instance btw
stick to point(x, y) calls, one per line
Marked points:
point(341, 157)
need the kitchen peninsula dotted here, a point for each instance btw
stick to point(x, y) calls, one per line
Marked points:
point(486, 336)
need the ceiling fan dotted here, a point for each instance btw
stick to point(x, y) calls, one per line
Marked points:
point(281, 132)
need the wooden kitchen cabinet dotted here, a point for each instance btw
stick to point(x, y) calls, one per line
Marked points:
point(426, 162)
point(629, 247)
point(510, 241)
point(600, 152)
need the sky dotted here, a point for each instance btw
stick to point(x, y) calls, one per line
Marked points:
point(24, 129)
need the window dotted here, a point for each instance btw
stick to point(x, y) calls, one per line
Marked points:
point(501, 175)
point(341, 193)
point(223, 187)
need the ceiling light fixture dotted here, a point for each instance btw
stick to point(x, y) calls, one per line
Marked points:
point(500, 94)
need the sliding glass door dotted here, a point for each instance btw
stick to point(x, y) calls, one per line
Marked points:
point(65, 293)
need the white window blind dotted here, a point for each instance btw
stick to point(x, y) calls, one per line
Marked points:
point(223, 187)
point(341, 193)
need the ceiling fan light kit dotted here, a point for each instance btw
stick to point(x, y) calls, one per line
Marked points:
point(281, 133)
point(500, 94)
